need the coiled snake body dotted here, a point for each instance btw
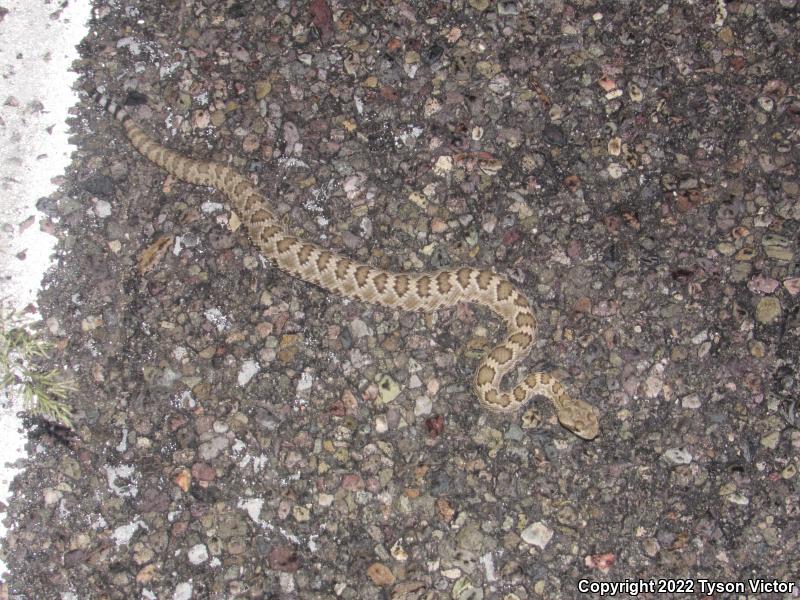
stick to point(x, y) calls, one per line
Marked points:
point(405, 291)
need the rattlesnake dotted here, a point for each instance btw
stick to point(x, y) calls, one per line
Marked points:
point(405, 291)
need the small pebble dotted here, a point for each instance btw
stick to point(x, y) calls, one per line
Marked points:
point(766, 103)
point(380, 574)
point(691, 401)
point(537, 534)
point(768, 310)
point(678, 456)
point(197, 554)
point(247, 371)
point(183, 591)
point(423, 406)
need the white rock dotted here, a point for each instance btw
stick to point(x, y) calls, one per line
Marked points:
point(252, 506)
point(183, 591)
point(444, 164)
point(124, 533)
point(615, 170)
point(538, 534)
point(197, 554)
point(381, 426)
point(691, 401)
point(247, 372)
point(102, 209)
point(306, 381)
point(51, 496)
point(359, 329)
point(423, 406)
point(678, 456)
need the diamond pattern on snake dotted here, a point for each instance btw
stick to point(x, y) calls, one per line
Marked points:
point(411, 291)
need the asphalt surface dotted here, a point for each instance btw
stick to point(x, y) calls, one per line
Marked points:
point(632, 167)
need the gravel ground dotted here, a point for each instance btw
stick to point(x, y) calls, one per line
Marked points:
point(240, 434)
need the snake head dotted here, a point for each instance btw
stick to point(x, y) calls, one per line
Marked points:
point(579, 417)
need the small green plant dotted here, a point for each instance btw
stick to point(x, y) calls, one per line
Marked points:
point(43, 392)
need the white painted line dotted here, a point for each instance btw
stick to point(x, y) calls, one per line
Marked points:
point(37, 47)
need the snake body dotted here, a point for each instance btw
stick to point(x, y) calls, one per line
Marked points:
point(411, 291)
